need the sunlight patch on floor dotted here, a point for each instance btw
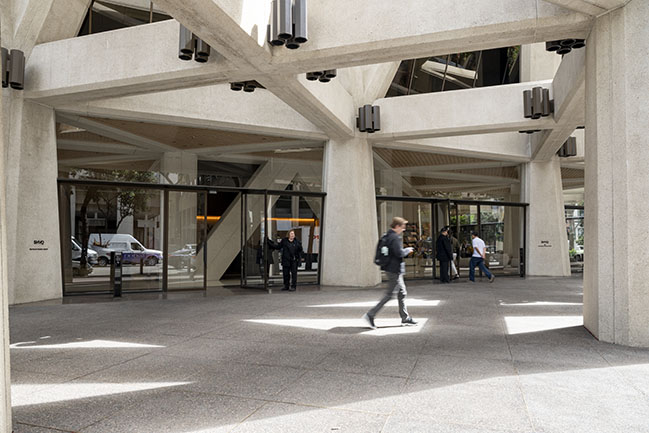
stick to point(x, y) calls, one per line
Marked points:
point(385, 326)
point(91, 344)
point(539, 304)
point(414, 302)
point(32, 394)
point(525, 324)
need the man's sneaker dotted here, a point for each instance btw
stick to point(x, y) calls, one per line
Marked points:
point(408, 322)
point(491, 280)
point(369, 320)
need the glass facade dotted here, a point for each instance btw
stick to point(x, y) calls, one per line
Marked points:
point(267, 218)
point(173, 237)
point(500, 225)
point(109, 15)
point(575, 235)
point(457, 71)
point(100, 220)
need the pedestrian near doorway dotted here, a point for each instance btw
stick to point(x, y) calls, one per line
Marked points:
point(291, 255)
point(455, 247)
point(478, 258)
point(390, 254)
point(444, 255)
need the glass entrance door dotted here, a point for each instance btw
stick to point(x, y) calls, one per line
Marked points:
point(418, 234)
point(267, 219)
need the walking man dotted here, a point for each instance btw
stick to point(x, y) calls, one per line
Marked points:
point(394, 267)
point(444, 255)
point(477, 259)
point(291, 254)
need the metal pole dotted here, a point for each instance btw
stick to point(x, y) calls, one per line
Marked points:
point(412, 73)
point(477, 68)
point(204, 241)
point(150, 12)
point(92, 4)
point(165, 242)
point(433, 211)
point(244, 233)
point(448, 57)
point(322, 204)
point(265, 245)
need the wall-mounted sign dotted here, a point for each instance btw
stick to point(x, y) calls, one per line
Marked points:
point(545, 244)
point(38, 245)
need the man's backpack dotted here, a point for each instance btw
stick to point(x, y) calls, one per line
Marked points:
point(382, 256)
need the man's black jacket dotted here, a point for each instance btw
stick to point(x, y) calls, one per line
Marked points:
point(444, 251)
point(393, 242)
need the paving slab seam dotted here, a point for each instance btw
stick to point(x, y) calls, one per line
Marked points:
point(314, 369)
point(240, 423)
point(519, 384)
point(339, 408)
point(643, 392)
point(45, 427)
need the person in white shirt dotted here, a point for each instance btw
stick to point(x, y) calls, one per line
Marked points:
point(477, 259)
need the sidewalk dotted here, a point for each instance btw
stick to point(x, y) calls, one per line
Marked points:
point(510, 356)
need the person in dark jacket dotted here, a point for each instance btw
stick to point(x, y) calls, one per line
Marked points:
point(395, 268)
point(269, 261)
point(290, 256)
point(444, 255)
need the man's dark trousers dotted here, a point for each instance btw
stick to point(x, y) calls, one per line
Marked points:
point(290, 270)
point(479, 262)
point(444, 276)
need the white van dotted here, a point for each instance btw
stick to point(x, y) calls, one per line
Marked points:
point(132, 250)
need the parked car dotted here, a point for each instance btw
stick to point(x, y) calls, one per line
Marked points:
point(579, 253)
point(132, 250)
point(76, 267)
point(184, 257)
point(92, 255)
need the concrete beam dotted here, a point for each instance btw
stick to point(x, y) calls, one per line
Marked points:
point(96, 146)
point(512, 147)
point(328, 106)
point(48, 20)
point(133, 60)
point(114, 133)
point(460, 166)
point(236, 30)
point(415, 30)
point(569, 86)
point(208, 107)
point(500, 180)
point(453, 113)
point(99, 160)
point(456, 186)
point(582, 6)
point(258, 147)
point(377, 80)
point(144, 58)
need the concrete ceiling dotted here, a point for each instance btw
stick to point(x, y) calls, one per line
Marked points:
point(186, 138)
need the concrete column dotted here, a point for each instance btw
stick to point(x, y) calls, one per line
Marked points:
point(181, 168)
point(5, 368)
point(537, 63)
point(616, 288)
point(547, 242)
point(31, 203)
point(513, 229)
point(350, 228)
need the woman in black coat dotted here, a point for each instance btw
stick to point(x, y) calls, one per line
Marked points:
point(290, 255)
